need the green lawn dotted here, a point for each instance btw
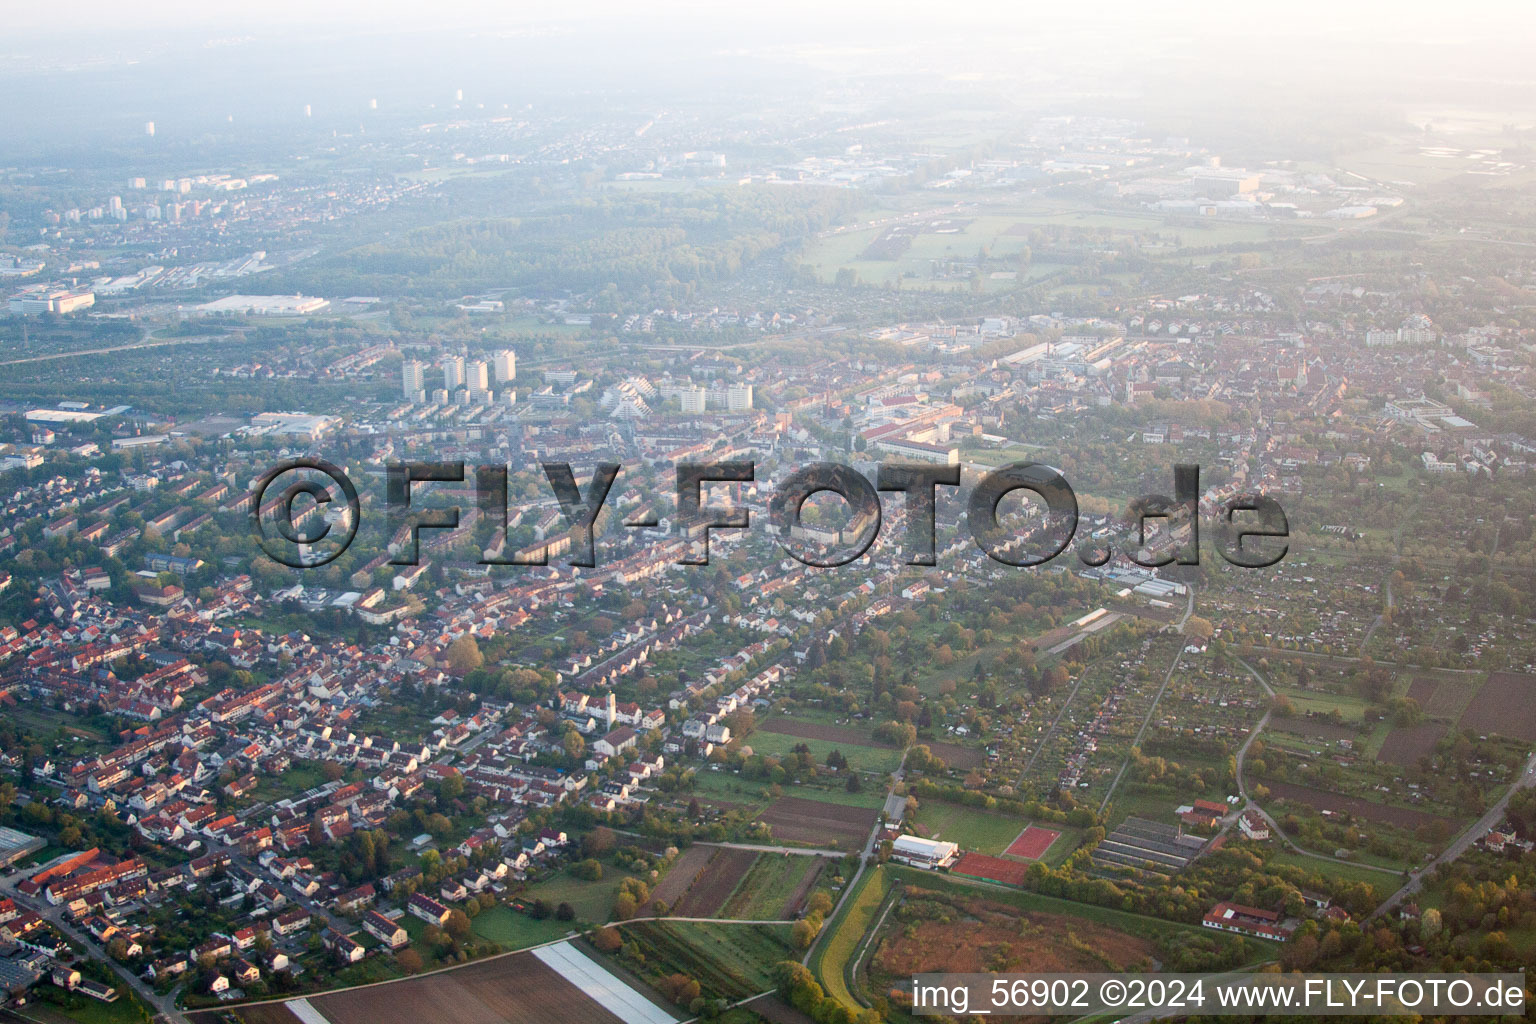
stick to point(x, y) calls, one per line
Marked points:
point(1350, 709)
point(867, 759)
point(513, 930)
point(753, 793)
point(593, 901)
point(1384, 883)
point(982, 831)
point(126, 1009)
point(1131, 801)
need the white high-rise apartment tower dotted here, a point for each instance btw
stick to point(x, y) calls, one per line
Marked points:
point(477, 380)
point(413, 379)
point(453, 372)
point(506, 366)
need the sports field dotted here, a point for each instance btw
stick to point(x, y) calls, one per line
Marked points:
point(1032, 843)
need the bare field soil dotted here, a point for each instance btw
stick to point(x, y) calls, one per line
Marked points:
point(956, 756)
point(1322, 800)
point(798, 820)
point(1504, 705)
point(508, 990)
point(803, 891)
point(1001, 938)
point(1406, 746)
point(677, 881)
point(1422, 689)
point(712, 886)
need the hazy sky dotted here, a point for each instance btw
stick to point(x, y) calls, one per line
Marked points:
point(111, 66)
point(1467, 18)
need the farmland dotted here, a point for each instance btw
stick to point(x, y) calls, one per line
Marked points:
point(821, 731)
point(1504, 705)
point(714, 883)
point(507, 990)
point(1021, 931)
point(1323, 800)
point(777, 885)
point(1406, 745)
point(796, 820)
point(677, 881)
point(728, 961)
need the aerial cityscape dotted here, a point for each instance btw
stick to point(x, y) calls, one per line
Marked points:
point(650, 516)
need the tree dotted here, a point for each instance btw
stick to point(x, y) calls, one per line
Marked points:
point(457, 926)
point(464, 655)
point(608, 939)
point(1199, 628)
point(573, 744)
point(599, 841)
point(590, 870)
point(409, 960)
point(565, 912)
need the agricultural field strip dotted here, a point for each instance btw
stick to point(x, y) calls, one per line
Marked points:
point(307, 1014)
point(1030, 765)
point(601, 986)
point(1140, 732)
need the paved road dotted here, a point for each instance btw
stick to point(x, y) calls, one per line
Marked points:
point(1250, 805)
point(869, 851)
point(800, 851)
point(163, 1006)
point(1465, 841)
point(149, 341)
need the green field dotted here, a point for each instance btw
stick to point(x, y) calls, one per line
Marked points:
point(1384, 883)
point(864, 759)
point(840, 938)
point(1350, 709)
point(1002, 233)
point(592, 901)
point(772, 880)
point(728, 961)
point(972, 829)
point(126, 1009)
point(752, 793)
point(510, 929)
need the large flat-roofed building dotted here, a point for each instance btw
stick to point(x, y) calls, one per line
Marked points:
point(295, 424)
point(15, 846)
point(257, 305)
point(1417, 410)
point(60, 301)
point(921, 451)
point(924, 853)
